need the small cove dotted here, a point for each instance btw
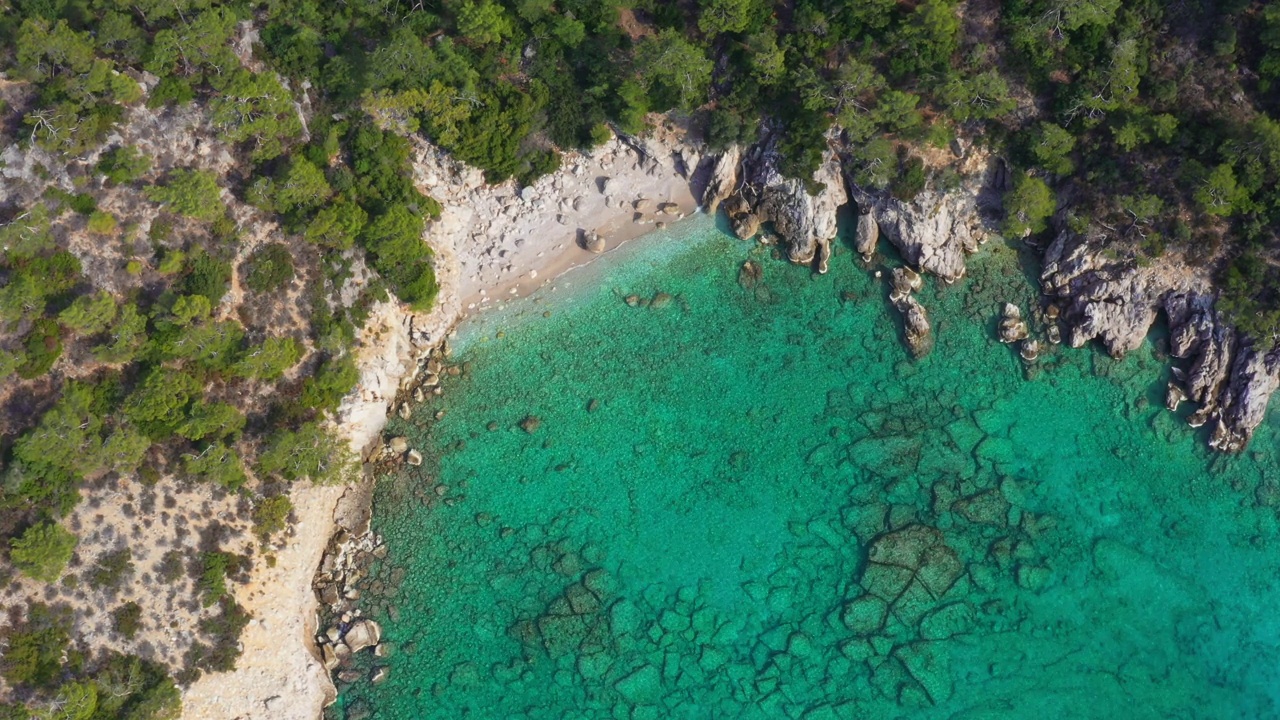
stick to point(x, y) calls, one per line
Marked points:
point(750, 503)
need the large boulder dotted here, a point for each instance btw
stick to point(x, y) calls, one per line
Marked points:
point(934, 232)
point(363, 633)
point(723, 180)
point(867, 233)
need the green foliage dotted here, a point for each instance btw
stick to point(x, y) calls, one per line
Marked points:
point(270, 360)
point(125, 336)
point(193, 193)
point(207, 276)
point(75, 701)
point(218, 464)
point(1052, 146)
point(269, 269)
point(224, 630)
point(874, 164)
point(300, 187)
point(74, 439)
point(43, 346)
point(483, 22)
point(34, 654)
point(255, 108)
point(984, 96)
point(111, 569)
point(911, 179)
point(127, 619)
point(1220, 194)
point(309, 452)
point(124, 164)
point(727, 16)
point(1250, 296)
point(271, 515)
point(676, 71)
point(215, 567)
point(42, 551)
point(135, 689)
point(399, 255)
point(160, 403)
point(332, 380)
point(102, 223)
point(337, 225)
point(27, 234)
point(210, 420)
point(1028, 207)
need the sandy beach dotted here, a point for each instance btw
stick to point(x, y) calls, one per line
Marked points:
point(492, 243)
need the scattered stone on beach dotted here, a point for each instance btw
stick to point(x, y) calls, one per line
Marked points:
point(642, 205)
point(660, 300)
point(592, 242)
point(668, 208)
point(531, 423)
point(404, 411)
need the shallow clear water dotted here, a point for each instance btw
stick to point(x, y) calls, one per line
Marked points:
point(751, 504)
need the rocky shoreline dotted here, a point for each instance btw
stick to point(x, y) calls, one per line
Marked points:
point(1087, 295)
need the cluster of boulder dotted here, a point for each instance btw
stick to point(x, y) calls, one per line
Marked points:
point(1013, 329)
point(345, 564)
point(915, 322)
point(1116, 300)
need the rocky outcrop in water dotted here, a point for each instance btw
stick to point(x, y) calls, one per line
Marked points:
point(916, 331)
point(1116, 300)
point(803, 213)
point(934, 232)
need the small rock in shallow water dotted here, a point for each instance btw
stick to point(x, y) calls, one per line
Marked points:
point(593, 405)
point(399, 445)
point(660, 300)
point(530, 424)
point(415, 458)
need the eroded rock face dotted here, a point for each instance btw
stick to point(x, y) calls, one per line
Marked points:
point(934, 232)
point(806, 222)
point(723, 180)
point(867, 234)
point(1116, 301)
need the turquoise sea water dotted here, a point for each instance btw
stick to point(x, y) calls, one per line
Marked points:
point(750, 503)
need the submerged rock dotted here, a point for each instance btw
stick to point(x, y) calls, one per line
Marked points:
point(530, 424)
point(750, 274)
